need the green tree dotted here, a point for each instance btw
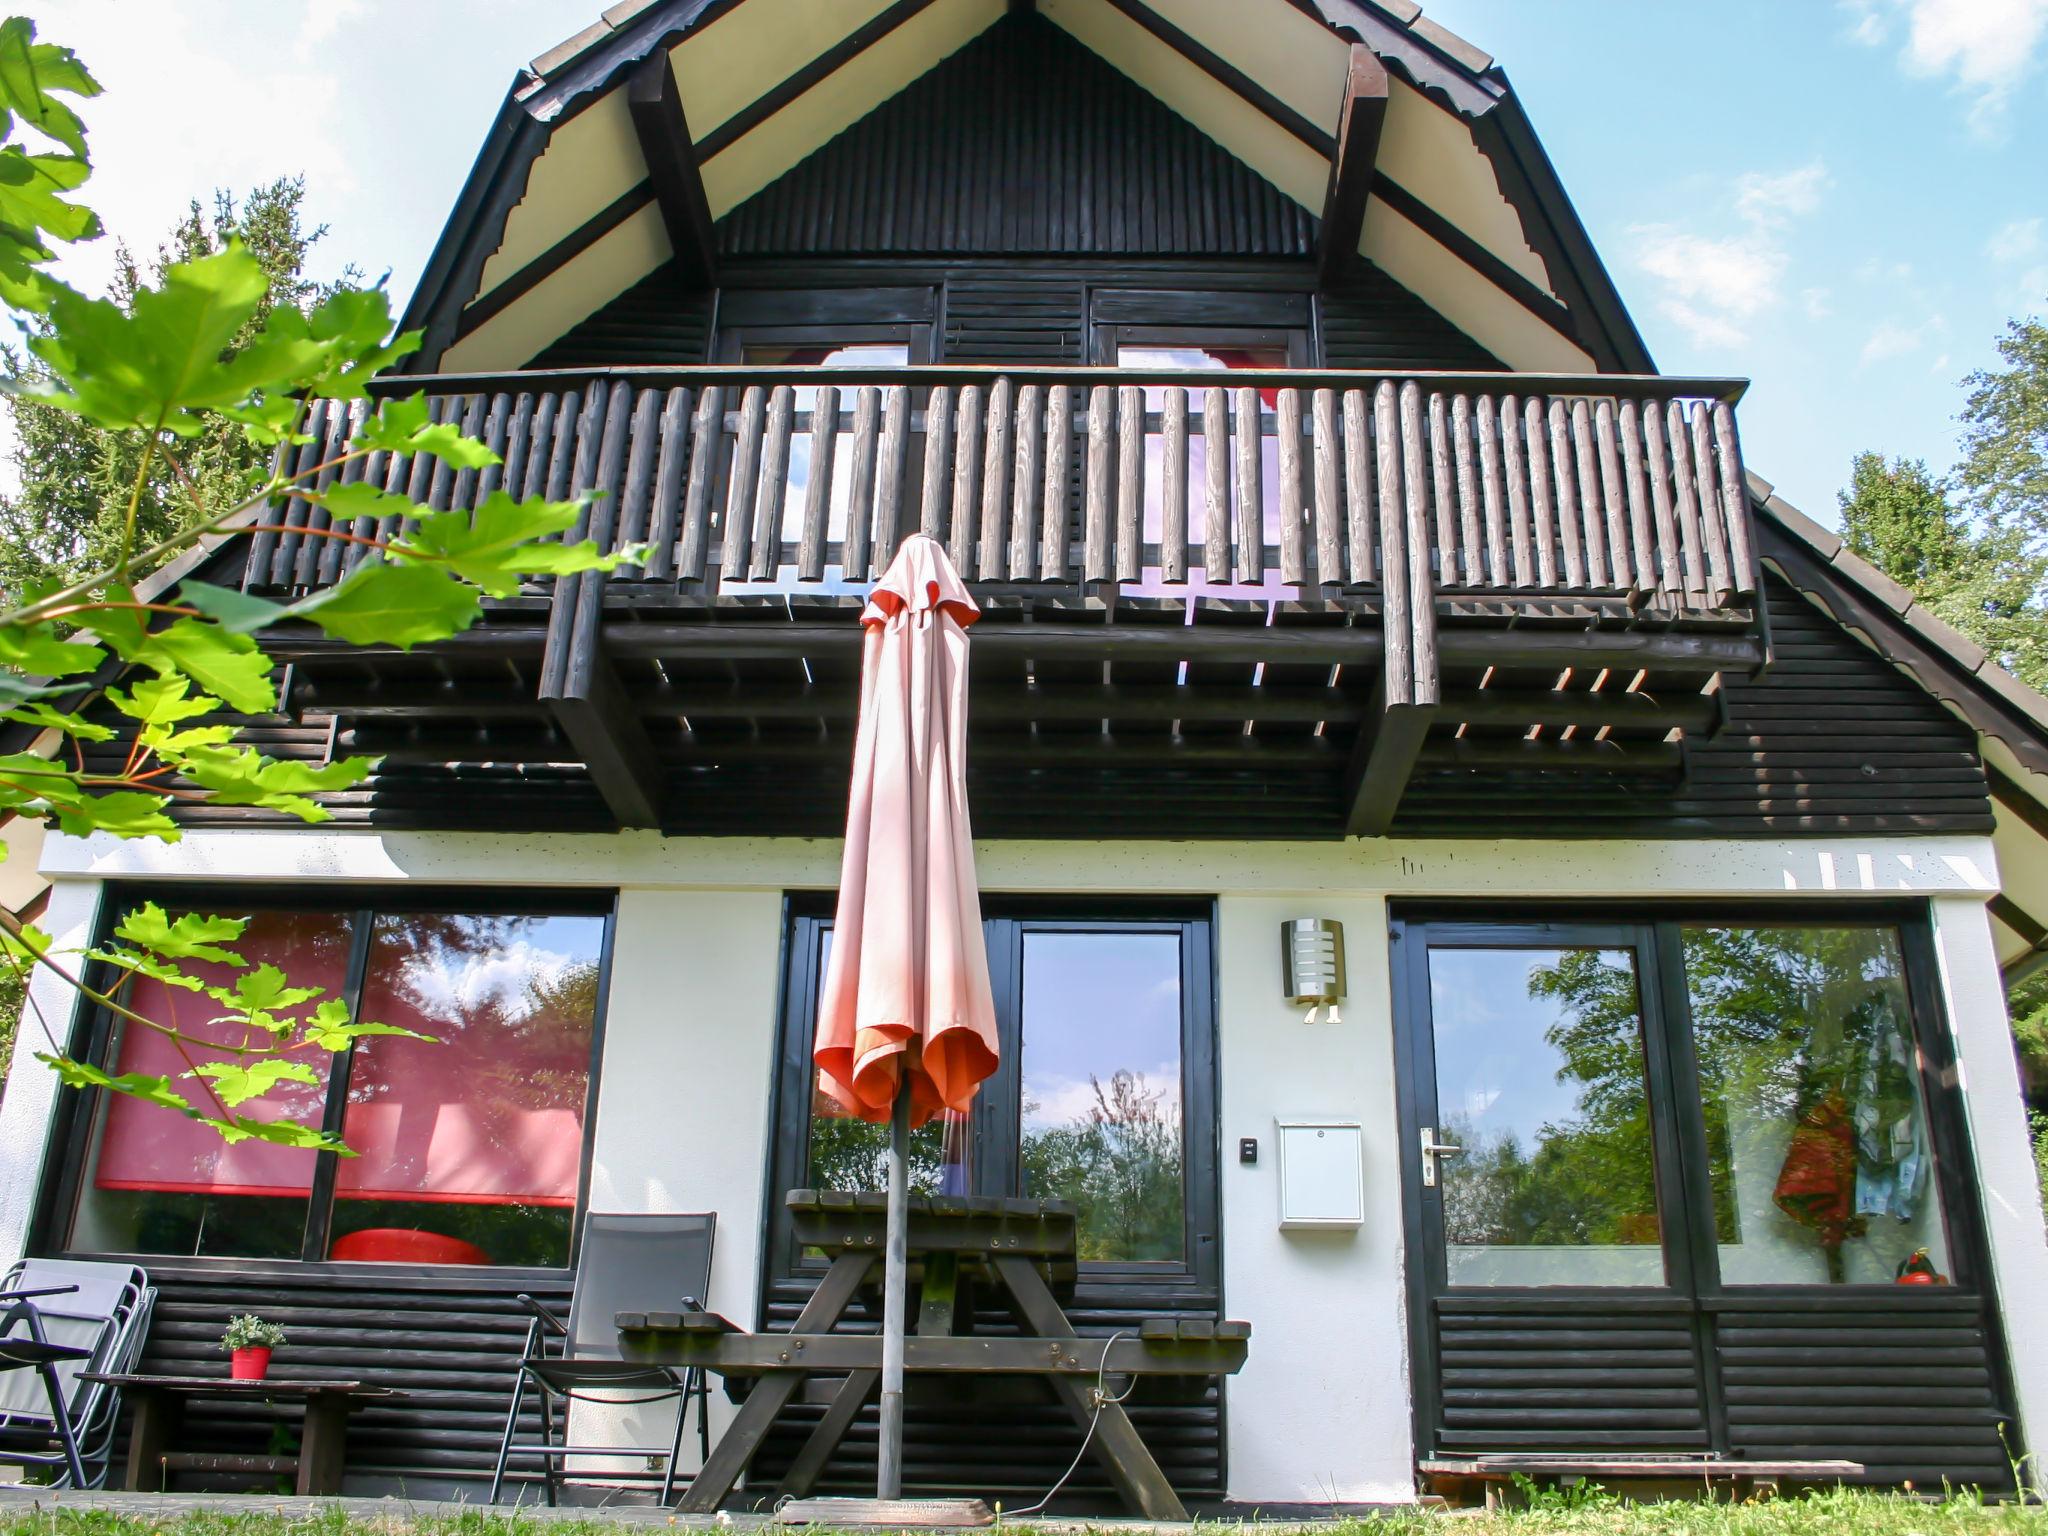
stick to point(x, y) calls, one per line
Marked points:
point(2004, 471)
point(1985, 577)
point(75, 477)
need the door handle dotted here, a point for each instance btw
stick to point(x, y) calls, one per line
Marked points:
point(1432, 1149)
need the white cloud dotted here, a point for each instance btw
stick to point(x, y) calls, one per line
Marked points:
point(1983, 48)
point(1893, 338)
point(2021, 248)
point(1714, 286)
point(1818, 303)
point(1771, 201)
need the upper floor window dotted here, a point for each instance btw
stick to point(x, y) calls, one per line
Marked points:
point(468, 1149)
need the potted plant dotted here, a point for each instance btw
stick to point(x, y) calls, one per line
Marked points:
point(249, 1341)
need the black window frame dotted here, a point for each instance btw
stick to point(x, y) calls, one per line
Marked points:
point(1692, 1266)
point(67, 1154)
point(1199, 317)
point(826, 317)
point(997, 1108)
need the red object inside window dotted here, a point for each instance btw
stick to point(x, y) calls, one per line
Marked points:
point(147, 1147)
point(492, 1114)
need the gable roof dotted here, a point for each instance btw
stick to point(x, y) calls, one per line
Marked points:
point(559, 214)
point(2010, 719)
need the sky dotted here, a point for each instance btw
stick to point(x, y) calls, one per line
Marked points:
point(1843, 200)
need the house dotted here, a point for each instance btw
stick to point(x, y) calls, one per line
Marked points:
point(1678, 854)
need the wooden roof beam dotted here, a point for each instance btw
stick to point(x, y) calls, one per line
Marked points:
point(1359, 123)
point(656, 107)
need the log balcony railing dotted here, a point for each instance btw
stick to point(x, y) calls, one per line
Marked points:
point(1610, 508)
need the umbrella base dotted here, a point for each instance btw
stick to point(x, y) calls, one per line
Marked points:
point(898, 1514)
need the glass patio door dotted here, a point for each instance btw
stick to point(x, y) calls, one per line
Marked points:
point(1540, 1144)
point(1551, 1279)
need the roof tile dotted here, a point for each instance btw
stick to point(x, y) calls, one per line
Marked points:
point(1474, 59)
point(2013, 691)
point(1807, 529)
point(1961, 647)
point(1867, 576)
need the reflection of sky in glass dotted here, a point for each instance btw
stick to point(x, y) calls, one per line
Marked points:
point(1217, 359)
point(1496, 1070)
point(1096, 1004)
point(854, 355)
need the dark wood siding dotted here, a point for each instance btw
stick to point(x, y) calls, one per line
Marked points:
point(1023, 142)
point(1906, 1385)
point(447, 1339)
point(1623, 1376)
point(1020, 311)
point(1831, 738)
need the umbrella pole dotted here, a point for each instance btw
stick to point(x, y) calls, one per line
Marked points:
point(895, 1283)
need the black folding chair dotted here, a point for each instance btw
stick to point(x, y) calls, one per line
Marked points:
point(60, 1318)
point(629, 1263)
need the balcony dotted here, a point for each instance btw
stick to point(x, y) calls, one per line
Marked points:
point(1254, 603)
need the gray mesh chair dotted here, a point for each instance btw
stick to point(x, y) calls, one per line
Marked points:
point(628, 1263)
point(60, 1318)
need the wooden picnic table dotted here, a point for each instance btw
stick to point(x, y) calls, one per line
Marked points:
point(1025, 1248)
point(159, 1407)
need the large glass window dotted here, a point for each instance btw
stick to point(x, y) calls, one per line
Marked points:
point(1105, 1096)
point(1101, 1108)
point(1817, 1136)
point(469, 1147)
point(1685, 1103)
point(1541, 1086)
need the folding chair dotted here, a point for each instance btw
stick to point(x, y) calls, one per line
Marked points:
point(628, 1263)
point(60, 1318)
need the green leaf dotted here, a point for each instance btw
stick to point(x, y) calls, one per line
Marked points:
point(492, 546)
point(137, 1085)
point(285, 1133)
point(124, 813)
point(192, 937)
point(331, 1030)
point(218, 660)
point(400, 605)
point(232, 609)
point(32, 205)
point(244, 776)
point(36, 649)
point(59, 720)
point(164, 360)
point(264, 987)
point(359, 499)
point(236, 1083)
point(30, 74)
point(147, 965)
point(32, 943)
point(402, 427)
point(162, 701)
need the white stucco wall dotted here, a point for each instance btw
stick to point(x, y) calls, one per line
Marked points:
point(1322, 1411)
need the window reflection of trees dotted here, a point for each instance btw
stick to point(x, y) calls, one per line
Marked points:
point(1788, 1025)
point(1120, 1162)
point(1589, 1179)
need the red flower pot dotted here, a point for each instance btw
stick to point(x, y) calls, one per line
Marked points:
point(250, 1363)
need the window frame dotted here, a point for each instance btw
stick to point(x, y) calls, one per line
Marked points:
point(826, 317)
point(997, 1114)
point(1691, 1245)
point(92, 1032)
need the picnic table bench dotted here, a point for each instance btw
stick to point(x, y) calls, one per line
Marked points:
point(1025, 1248)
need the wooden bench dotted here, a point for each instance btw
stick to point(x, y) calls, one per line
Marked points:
point(1449, 1475)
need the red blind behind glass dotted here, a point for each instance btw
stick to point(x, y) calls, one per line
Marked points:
point(145, 1147)
point(494, 1113)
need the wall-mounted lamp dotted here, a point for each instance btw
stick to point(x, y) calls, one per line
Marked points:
point(1312, 961)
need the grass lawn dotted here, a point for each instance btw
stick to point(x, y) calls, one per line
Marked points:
point(1860, 1513)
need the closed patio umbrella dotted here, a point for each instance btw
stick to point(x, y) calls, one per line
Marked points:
point(906, 1027)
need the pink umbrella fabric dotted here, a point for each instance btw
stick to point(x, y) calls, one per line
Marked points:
point(907, 988)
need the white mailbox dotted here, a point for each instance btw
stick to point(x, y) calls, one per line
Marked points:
point(1322, 1173)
